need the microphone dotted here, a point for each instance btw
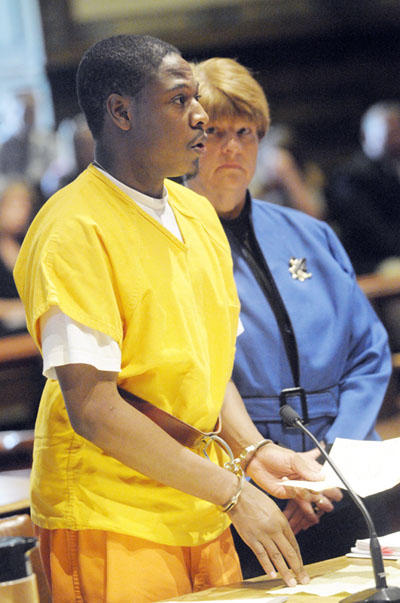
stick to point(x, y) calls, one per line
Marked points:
point(381, 592)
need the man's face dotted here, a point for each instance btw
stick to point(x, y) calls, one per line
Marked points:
point(381, 135)
point(168, 134)
point(229, 164)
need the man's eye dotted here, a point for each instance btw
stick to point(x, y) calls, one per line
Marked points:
point(244, 131)
point(210, 130)
point(180, 100)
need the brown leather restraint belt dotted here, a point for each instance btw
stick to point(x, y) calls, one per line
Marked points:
point(182, 432)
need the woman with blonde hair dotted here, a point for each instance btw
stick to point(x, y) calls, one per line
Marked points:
point(311, 338)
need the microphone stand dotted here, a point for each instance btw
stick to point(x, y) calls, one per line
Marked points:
point(382, 592)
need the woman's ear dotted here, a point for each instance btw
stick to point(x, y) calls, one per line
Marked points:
point(118, 108)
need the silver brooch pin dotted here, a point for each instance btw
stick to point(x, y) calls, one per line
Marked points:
point(298, 269)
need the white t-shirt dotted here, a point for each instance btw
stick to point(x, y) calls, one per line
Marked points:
point(66, 341)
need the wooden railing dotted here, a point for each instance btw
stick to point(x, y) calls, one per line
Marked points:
point(382, 290)
point(378, 287)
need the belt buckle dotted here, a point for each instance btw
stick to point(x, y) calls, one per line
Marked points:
point(292, 392)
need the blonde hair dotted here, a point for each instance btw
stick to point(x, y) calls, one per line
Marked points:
point(227, 89)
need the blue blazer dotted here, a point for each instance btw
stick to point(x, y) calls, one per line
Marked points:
point(344, 357)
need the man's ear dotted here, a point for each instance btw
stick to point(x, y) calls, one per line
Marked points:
point(119, 111)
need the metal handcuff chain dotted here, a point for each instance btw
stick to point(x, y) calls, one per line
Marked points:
point(233, 464)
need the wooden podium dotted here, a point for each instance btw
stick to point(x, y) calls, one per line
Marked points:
point(257, 588)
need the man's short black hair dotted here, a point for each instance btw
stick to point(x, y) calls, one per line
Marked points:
point(120, 64)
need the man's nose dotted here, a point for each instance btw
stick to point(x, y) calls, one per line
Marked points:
point(198, 115)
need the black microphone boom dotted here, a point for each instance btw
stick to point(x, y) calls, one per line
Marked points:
point(382, 592)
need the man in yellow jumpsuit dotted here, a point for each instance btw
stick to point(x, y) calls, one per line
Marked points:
point(127, 283)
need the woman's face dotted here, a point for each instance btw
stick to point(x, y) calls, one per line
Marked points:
point(226, 169)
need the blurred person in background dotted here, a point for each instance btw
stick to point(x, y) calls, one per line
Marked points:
point(364, 203)
point(363, 194)
point(311, 338)
point(28, 149)
point(17, 205)
point(280, 178)
point(75, 151)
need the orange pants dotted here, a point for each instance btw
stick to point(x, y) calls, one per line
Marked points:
point(92, 566)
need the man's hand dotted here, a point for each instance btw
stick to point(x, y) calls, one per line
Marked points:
point(304, 511)
point(272, 463)
point(302, 514)
point(265, 529)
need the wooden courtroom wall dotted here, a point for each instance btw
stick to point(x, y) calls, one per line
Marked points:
point(321, 62)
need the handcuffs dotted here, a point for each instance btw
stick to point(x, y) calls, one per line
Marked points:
point(234, 464)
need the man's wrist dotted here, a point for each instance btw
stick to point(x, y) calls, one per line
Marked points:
point(232, 502)
point(248, 453)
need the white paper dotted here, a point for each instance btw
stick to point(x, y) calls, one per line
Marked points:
point(258, 599)
point(350, 579)
point(368, 466)
point(362, 555)
point(390, 546)
point(389, 541)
